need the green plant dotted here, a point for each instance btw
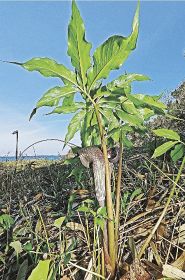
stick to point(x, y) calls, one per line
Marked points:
point(99, 220)
point(105, 113)
point(6, 221)
point(177, 153)
point(41, 270)
point(175, 142)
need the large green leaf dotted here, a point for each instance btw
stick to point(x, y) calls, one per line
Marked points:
point(52, 97)
point(21, 275)
point(114, 134)
point(110, 117)
point(129, 107)
point(50, 68)
point(85, 132)
point(74, 125)
point(93, 119)
point(116, 131)
point(142, 99)
point(68, 109)
point(151, 101)
point(178, 152)
point(126, 142)
point(132, 120)
point(163, 148)
point(95, 136)
point(110, 102)
point(167, 133)
point(112, 53)
point(146, 113)
point(78, 47)
point(68, 105)
point(90, 135)
point(125, 80)
point(41, 271)
point(132, 97)
point(58, 222)
point(102, 92)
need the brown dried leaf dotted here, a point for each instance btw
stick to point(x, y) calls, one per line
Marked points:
point(173, 272)
point(155, 270)
point(180, 262)
point(38, 196)
point(88, 275)
point(181, 238)
point(38, 227)
point(80, 192)
point(141, 231)
point(156, 253)
point(141, 176)
point(161, 231)
point(65, 278)
point(48, 209)
point(75, 226)
point(151, 203)
point(137, 272)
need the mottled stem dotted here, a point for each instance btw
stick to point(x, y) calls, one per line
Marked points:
point(94, 156)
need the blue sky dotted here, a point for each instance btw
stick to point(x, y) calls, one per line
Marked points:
point(29, 29)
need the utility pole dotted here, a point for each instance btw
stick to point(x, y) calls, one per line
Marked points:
point(17, 140)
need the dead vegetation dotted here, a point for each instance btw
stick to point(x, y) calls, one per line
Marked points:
point(35, 196)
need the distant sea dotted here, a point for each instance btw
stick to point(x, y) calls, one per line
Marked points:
point(46, 157)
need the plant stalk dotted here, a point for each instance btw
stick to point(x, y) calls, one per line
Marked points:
point(118, 195)
point(147, 241)
point(109, 204)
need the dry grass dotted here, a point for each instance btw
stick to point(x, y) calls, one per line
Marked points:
point(35, 194)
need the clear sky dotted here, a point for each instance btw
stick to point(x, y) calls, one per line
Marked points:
point(29, 29)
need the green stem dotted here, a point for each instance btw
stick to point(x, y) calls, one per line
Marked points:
point(45, 231)
point(109, 204)
point(147, 241)
point(102, 264)
point(118, 194)
point(111, 233)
